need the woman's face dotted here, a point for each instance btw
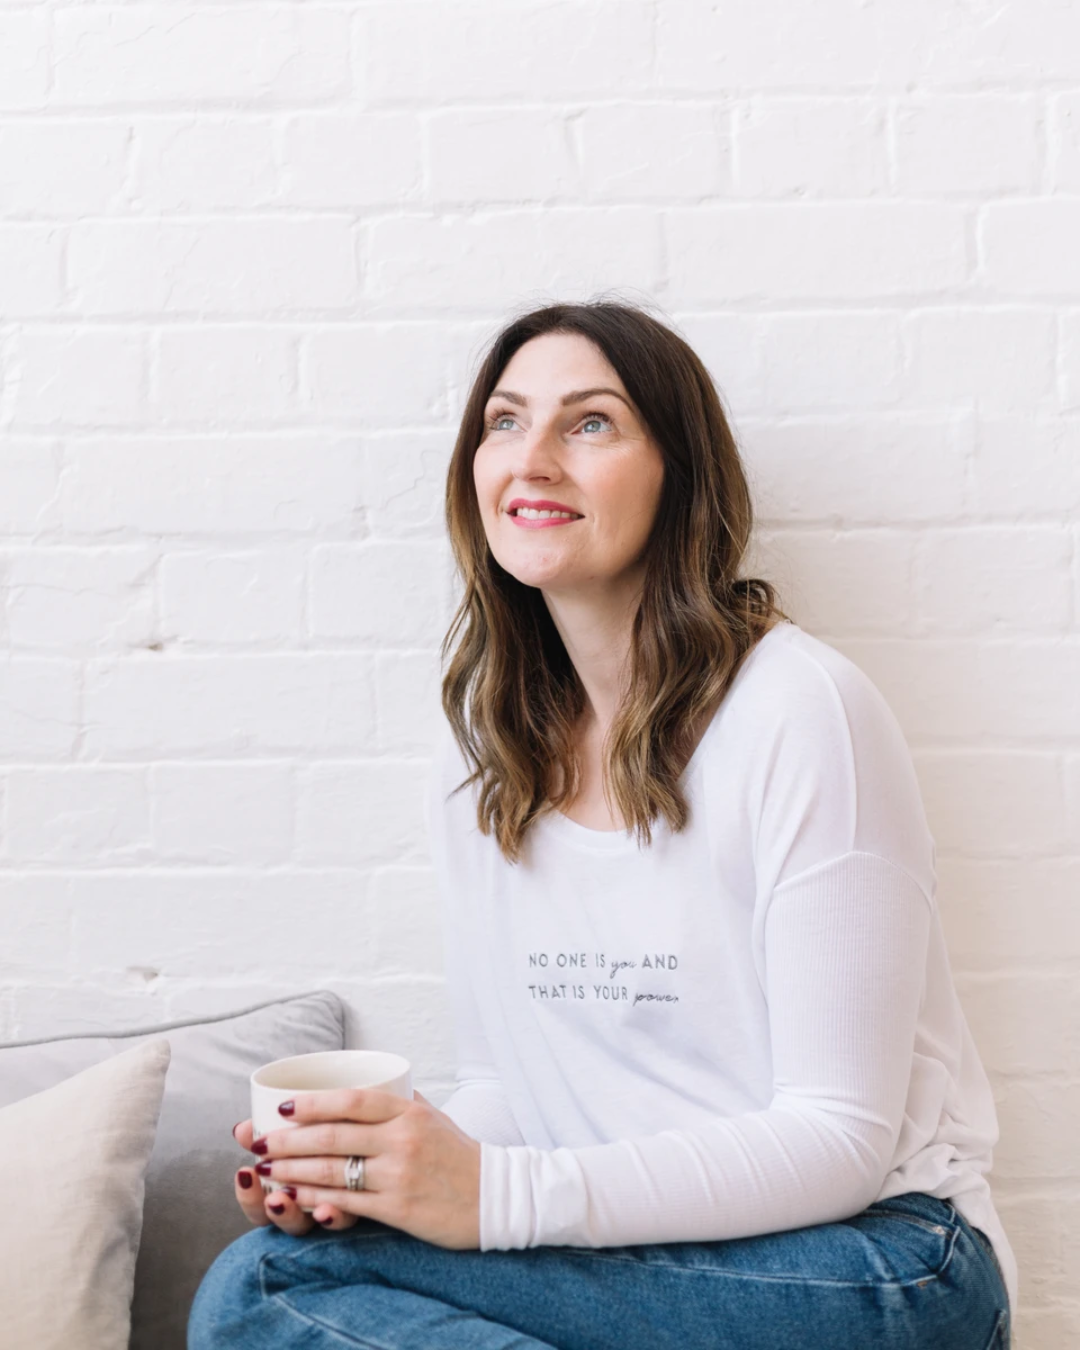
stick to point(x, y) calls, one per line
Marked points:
point(551, 438)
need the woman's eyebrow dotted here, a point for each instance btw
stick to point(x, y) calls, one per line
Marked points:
point(575, 396)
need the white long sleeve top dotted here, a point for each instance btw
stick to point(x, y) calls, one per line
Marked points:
point(747, 1027)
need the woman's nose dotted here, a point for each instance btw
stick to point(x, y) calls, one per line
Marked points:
point(538, 452)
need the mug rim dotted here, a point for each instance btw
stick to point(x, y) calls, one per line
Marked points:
point(395, 1065)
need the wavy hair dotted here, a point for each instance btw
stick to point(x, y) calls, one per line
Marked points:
point(510, 693)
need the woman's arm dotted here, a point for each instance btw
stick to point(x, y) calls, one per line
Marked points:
point(845, 952)
point(479, 1107)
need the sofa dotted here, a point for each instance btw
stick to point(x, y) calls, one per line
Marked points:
point(121, 1149)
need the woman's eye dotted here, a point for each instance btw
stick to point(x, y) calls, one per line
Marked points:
point(590, 419)
point(596, 417)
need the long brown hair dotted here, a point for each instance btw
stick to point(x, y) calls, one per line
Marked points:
point(511, 693)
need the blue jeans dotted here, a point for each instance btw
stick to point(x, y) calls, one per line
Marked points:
point(907, 1272)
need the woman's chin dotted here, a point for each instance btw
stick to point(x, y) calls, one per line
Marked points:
point(544, 581)
point(537, 572)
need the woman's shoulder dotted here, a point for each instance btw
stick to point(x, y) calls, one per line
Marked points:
point(795, 680)
point(805, 710)
point(810, 725)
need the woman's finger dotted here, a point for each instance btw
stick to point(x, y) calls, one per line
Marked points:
point(254, 1201)
point(243, 1133)
point(282, 1209)
point(328, 1172)
point(331, 1138)
point(367, 1106)
point(250, 1195)
point(314, 1177)
point(329, 1216)
point(353, 1204)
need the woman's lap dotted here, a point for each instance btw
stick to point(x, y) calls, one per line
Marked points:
point(908, 1272)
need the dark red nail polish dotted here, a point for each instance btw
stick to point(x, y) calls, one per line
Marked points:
point(259, 1146)
point(287, 1108)
point(290, 1191)
point(263, 1169)
point(246, 1180)
point(277, 1209)
point(327, 1221)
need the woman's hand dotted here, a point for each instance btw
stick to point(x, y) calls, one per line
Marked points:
point(421, 1174)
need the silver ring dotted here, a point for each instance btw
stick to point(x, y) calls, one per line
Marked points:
point(354, 1174)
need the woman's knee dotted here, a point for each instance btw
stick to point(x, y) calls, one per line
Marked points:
point(229, 1291)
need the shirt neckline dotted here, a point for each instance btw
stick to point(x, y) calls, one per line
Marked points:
point(608, 841)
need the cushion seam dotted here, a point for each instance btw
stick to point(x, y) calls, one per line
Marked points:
point(161, 1028)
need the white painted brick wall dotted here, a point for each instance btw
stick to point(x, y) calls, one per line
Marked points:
point(249, 254)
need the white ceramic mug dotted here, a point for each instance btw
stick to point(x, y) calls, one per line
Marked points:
point(321, 1071)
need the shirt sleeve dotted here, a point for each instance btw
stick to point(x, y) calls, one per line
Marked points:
point(479, 1104)
point(844, 913)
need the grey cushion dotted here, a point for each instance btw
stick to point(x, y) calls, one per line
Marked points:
point(190, 1211)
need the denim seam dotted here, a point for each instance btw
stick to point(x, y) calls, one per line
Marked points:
point(282, 1301)
point(345, 1337)
point(912, 1219)
point(315, 1240)
point(310, 1248)
point(984, 1244)
point(598, 1254)
point(998, 1337)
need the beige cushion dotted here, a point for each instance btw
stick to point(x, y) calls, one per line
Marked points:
point(74, 1162)
point(190, 1212)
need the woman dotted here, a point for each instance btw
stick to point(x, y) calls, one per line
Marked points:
point(715, 1088)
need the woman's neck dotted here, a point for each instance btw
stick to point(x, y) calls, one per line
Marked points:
point(596, 632)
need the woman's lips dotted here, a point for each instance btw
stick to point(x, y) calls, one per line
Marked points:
point(526, 524)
